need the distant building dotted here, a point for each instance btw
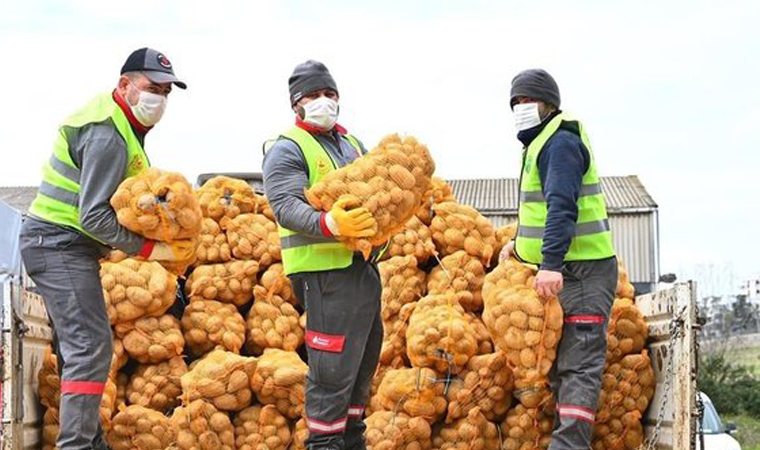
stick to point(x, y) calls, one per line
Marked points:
point(751, 288)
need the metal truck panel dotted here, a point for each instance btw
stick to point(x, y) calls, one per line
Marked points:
point(671, 317)
point(26, 335)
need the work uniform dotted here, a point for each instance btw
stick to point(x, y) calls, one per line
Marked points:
point(563, 226)
point(338, 288)
point(71, 225)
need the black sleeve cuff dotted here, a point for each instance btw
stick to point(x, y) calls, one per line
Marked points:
point(553, 263)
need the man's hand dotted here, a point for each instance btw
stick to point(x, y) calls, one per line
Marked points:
point(507, 251)
point(345, 219)
point(180, 250)
point(548, 283)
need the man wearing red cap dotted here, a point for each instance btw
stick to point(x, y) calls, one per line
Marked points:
point(339, 289)
point(71, 225)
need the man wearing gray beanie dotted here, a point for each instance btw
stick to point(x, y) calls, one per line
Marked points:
point(339, 289)
point(563, 228)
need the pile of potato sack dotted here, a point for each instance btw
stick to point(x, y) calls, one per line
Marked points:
point(208, 353)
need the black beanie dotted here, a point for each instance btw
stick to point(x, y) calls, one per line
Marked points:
point(309, 77)
point(534, 83)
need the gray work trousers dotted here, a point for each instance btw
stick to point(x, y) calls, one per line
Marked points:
point(576, 378)
point(344, 334)
point(64, 266)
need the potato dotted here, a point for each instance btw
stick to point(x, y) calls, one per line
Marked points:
point(222, 379)
point(389, 181)
point(524, 326)
point(158, 205)
point(139, 428)
point(133, 289)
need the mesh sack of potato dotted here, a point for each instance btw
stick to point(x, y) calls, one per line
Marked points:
point(439, 335)
point(415, 239)
point(122, 381)
point(212, 244)
point(253, 237)
point(208, 324)
point(133, 289)
point(416, 392)
point(261, 428)
point(626, 433)
point(157, 386)
point(389, 181)
point(119, 358)
point(504, 235)
point(275, 282)
point(108, 404)
point(624, 287)
point(139, 428)
point(199, 425)
point(524, 326)
point(49, 388)
point(461, 273)
point(158, 205)
point(222, 378)
point(485, 344)
point(626, 332)
point(528, 428)
point(394, 336)
point(263, 207)
point(300, 434)
point(485, 384)
point(374, 399)
point(49, 383)
point(152, 339)
point(272, 323)
point(439, 192)
point(280, 380)
point(403, 282)
point(627, 388)
point(51, 427)
point(471, 432)
point(387, 430)
point(223, 196)
point(459, 227)
point(230, 282)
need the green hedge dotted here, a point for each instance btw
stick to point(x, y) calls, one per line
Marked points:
point(732, 387)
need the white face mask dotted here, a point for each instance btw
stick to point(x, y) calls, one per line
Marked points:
point(149, 108)
point(321, 112)
point(526, 116)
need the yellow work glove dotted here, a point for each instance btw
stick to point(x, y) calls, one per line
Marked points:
point(180, 250)
point(344, 219)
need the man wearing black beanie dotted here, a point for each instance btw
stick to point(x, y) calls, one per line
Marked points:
point(563, 228)
point(338, 288)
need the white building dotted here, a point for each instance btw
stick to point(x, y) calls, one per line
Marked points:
point(751, 288)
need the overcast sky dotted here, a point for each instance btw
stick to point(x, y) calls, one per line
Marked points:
point(667, 89)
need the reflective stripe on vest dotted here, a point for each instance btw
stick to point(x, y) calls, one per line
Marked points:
point(538, 196)
point(592, 239)
point(301, 253)
point(57, 199)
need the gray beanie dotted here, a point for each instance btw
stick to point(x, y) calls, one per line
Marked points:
point(534, 83)
point(309, 77)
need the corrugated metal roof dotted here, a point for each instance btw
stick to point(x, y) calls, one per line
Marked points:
point(489, 195)
point(622, 193)
point(18, 197)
